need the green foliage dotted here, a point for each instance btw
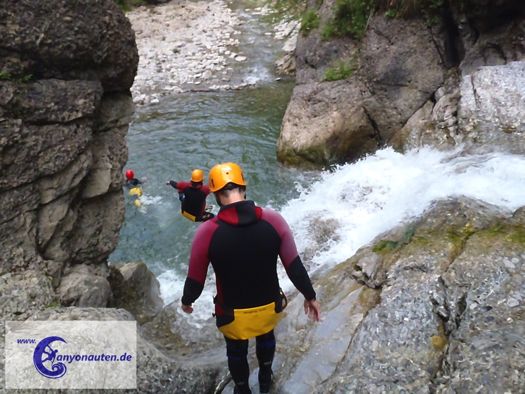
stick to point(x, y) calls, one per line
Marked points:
point(407, 8)
point(338, 72)
point(517, 235)
point(511, 233)
point(391, 13)
point(342, 69)
point(287, 5)
point(309, 21)
point(127, 5)
point(7, 76)
point(386, 245)
point(53, 304)
point(328, 31)
point(285, 9)
point(350, 18)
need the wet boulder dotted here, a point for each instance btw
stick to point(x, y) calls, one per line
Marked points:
point(136, 289)
point(421, 309)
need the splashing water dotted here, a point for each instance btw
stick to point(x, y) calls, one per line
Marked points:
point(349, 206)
point(356, 202)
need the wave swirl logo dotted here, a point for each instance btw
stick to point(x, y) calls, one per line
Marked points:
point(44, 359)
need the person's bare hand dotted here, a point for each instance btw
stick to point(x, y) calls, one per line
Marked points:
point(187, 308)
point(313, 309)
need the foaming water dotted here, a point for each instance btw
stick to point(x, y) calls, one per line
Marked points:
point(349, 206)
point(356, 202)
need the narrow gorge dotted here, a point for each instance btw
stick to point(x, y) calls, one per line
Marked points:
point(401, 176)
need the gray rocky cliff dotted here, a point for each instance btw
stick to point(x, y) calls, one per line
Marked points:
point(66, 69)
point(65, 107)
point(407, 82)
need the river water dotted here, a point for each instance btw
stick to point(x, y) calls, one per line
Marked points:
point(198, 130)
point(331, 213)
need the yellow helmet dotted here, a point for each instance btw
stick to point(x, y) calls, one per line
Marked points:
point(197, 175)
point(222, 174)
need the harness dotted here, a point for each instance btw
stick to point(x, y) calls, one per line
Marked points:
point(247, 323)
point(192, 203)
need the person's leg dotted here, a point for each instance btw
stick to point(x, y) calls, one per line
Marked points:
point(265, 350)
point(237, 351)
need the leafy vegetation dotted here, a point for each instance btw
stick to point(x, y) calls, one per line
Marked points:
point(350, 18)
point(391, 13)
point(341, 69)
point(285, 9)
point(53, 304)
point(407, 8)
point(287, 5)
point(7, 76)
point(386, 246)
point(309, 21)
point(127, 5)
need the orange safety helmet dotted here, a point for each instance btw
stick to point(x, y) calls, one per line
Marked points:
point(197, 175)
point(222, 174)
point(130, 175)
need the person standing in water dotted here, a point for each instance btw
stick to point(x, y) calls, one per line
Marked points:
point(192, 196)
point(243, 243)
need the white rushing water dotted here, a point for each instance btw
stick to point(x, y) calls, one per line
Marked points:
point(352, 204)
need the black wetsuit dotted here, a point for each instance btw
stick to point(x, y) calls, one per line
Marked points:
point(131, 183)
point(193, 200)
point(243, 243)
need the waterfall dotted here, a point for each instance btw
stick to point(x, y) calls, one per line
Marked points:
point(356, 202)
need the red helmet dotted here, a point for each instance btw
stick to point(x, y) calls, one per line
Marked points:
point(130, 175)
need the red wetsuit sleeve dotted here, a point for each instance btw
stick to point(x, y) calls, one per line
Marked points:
point(199, 261)
point(181, 186)
point(205, 189)
point(289, 255)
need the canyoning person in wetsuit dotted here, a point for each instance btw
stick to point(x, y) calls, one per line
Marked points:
point(192, 196)
point(134, 186)
point(131, 181)
point(243, 243)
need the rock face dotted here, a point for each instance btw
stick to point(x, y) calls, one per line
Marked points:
point(66, 70)
point(136, 289)
point(424, 308)
point(88, 40)
point(491, 110)
point(403, 83)
point(335, 129)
